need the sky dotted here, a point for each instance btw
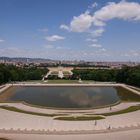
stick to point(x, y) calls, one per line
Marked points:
point(91, 30)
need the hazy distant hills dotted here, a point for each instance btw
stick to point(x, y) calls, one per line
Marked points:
point(50, 61)
point(24, 59)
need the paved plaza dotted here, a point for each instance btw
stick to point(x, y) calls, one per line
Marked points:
point(121, 135)
point(17, 125)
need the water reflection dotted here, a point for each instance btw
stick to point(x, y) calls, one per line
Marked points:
point(66, 97)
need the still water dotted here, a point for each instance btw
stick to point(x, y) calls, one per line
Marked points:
point(65, 96)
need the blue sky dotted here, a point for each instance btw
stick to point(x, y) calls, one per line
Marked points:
point(92, 30)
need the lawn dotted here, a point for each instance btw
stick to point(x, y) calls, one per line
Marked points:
point(66, 72)
point(73, 118)
point(127, 110)
point(54, 73)
point(137, 89)
point(62, 81)
point(126, 95)
point(80, 118)
point(28, 112)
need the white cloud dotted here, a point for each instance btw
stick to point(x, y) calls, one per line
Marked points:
point(95, 4)
point(54, 38)
point(95, 45)
point(103, 50)
point(94, 23)
point(80, 23)
point(92, 39)
point(53, 47)
point(2, 40)
point(63, 26)
point(123, 10)
point(97, 32)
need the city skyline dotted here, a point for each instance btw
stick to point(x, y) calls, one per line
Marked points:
point(71, 30)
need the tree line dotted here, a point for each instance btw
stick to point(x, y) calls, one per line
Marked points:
point(13, 73)
point(128, 75)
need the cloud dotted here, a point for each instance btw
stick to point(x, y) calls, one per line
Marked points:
point(94, 34)
point(54, 38)
point(94, 22)
point(79, 24)
point(95, 4)
point(82, 22)
point(97, 32)
point(2, 40)
point(63, 26)
point(102, 50)
point(123, 10)
point(92, 40)
point(95, 45)
point(53, 47)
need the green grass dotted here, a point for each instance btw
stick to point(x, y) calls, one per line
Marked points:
point(72, 118)
point(32, 81)
point(137, 89)
point(80, 118)
point(67, 81)
point(126, 95)
point(127, 110)
point(28, 112)
point(3, 139)
point(66, 73)
point(54, 72)
point(35, 81)
point(62, 81)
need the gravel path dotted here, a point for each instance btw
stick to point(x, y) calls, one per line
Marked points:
point(115, 108)
point(9, 119)
point(14, 121)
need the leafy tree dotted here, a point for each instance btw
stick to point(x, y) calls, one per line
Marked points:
point(13, 73)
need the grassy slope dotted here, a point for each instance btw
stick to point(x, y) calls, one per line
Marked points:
point(127, 110)
point(62, 81)
point(80, 118)
point(126, 95)
point(28, 112)
point(54, 72)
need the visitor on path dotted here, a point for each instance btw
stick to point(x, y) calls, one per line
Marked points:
point(95, 123)
point(109, 127)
